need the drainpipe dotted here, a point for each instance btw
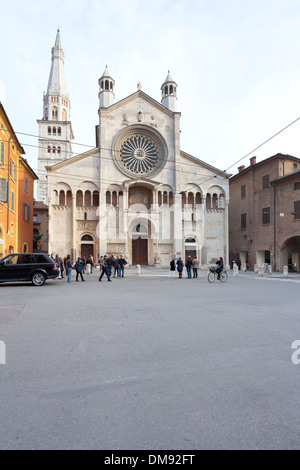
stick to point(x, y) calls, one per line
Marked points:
point(274, 208)
point(8, 185)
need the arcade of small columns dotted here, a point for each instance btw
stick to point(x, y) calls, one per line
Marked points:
point(90, 199)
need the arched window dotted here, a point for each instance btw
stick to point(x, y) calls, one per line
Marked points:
point(79, 199)
point(95, 198)
point(58, 149)
point(54, 113)
point(69, 198)
point(64, 115)
point(108, 197)
point(171, 90)
point(49, 130)
point(114, 199)
point(215, 201)
point(53, 149)
point(159, 199)
point(59, 131)
point(190, 240)
point(198, 198)
point(222, 201)
point(111, 85)
point(62, 198)
point(54, 130)
point(49, 149)
point(87, 198)
point(191, 199)
point(171, 199)
point(87, 238)
point(166, 90)
point(208, 201)
point(106, 85)
point(183, 199)
point(102, 84)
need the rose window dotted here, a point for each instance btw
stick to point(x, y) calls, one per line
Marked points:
point(139, 154)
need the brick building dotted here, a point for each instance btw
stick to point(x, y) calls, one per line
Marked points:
point(264, 213)
point(40, 227)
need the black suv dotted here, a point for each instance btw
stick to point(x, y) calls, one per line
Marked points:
point(34, 267)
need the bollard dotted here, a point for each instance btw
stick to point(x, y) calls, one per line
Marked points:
point(88, 268)
point(261, 270)
point(235, 270)
point(244, 268)
point(256, 268)
point(138, 270)
point(285, 271)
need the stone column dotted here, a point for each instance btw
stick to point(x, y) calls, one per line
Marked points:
point(74, 245)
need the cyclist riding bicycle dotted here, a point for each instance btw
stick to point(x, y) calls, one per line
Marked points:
point(220, 267)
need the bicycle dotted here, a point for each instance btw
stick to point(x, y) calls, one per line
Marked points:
point(213, 275)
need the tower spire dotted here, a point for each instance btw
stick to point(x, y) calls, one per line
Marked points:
point(55, 129)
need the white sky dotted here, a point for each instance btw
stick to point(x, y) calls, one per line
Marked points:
point(236, 63)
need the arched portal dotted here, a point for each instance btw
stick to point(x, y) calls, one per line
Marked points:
point(290, 254)
point(87, 246)
point(140, 237)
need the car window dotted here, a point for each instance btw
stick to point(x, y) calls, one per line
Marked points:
point(25, 259)
point(41, 259)
point(13, 259)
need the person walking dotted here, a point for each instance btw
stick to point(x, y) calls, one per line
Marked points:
point(116, 267)
point(104, 269)
point(172, 268)
point(90, 262)
point(122, 264)
point(179, 264)
point(195, 267)
point(83, 261)
point(79, 269)
point(68, 265)
point(189, 264)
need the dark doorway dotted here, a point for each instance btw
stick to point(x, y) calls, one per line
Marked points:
point(87, 250)
point(140, 251)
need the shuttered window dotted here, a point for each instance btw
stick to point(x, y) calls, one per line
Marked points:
point(266, 182)
point(243, 220)
point(266, 215)
point(297, 210)
point(3, 190)
point(2, 153)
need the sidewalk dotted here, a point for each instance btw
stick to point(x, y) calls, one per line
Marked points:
point(146, 271)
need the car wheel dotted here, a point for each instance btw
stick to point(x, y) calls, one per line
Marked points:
point(38, 279)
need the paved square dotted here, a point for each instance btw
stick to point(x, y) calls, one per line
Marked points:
point(148, 362)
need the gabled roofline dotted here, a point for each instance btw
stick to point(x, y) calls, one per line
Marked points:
point(265, 161)
point(148, 98)
point(79, 157)
point(12, 129)
point(206, 165)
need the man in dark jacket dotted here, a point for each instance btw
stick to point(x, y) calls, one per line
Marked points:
point(122, 264)
point(189, 264)
point(79, 269)
point(104, 268)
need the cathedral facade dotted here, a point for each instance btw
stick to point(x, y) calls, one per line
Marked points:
point(136, 194)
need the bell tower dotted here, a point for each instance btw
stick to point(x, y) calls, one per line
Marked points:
point(55, 128)
point(169, 93)
point(106, 93)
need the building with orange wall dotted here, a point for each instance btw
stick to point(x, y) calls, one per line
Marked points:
point(15, 234)
point(26, 178)
point(10, 152)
